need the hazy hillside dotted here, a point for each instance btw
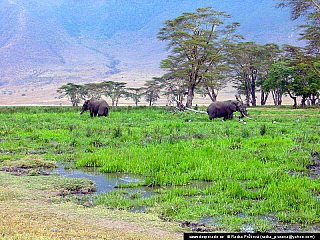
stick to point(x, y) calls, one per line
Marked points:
point(45, 43)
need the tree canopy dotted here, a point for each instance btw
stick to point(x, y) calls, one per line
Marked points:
point(197, 42)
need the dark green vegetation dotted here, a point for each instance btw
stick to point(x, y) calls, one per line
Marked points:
point(237, 173)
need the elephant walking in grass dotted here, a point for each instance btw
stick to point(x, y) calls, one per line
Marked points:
point(226, 109)
point(96, 107)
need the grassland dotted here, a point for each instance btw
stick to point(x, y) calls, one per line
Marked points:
point(235, 173)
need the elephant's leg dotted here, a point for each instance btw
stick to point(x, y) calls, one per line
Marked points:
point(230, 116)
point(212, 116)
point(100, 112)
point(91, 113)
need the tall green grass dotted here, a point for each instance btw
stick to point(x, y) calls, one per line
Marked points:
point(200, 168)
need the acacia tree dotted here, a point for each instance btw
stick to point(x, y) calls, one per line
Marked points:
point(244, 60)
point(249, 63)
point(174, 88)
point(152, 90)
point(306, 84)
point(270, 54)
point(93, 90)
point(114, 90)
point(135, 94)
point(74, 92)
point(215, 81)
point(278, 81)
point(301, 7)
point(197, 41)
point(310, 9)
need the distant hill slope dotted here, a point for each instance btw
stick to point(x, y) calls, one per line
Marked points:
point(51, 42)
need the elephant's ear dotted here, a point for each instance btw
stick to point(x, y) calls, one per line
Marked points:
point(233, 106)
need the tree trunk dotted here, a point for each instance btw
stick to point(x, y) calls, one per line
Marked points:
point(213, 97)
point(247, 98)
point(293, 98)
point(313, 100)
point(279, 99)
point(264, 97)
point(303, 101)
point(113, 101)
point(253, 89)
point(190, 95)
point(253, 95)
point(274, 97)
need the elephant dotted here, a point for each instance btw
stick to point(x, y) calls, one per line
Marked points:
point(96, 107)
point(225, 109)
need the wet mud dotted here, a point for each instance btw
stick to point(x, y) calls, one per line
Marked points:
point(19, 171)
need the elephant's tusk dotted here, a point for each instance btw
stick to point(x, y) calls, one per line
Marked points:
point(196, 111)
point(247, 117)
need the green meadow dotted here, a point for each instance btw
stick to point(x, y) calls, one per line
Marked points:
point(236, 173)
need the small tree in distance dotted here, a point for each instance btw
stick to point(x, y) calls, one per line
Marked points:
point(114, 90)
point(93, 90)
point(174, 88)
point(135, 94)
point(73, 92)
point(152, 90)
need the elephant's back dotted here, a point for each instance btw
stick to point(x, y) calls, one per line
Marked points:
point(101, 103)
point(211, 107)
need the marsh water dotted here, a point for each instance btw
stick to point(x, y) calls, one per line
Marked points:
point(106, 182)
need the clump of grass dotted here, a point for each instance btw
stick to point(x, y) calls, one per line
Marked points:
point(117, 132)
point(68, 186)
point(32, 161)
point(89, 132)
point(263, 129)
point(245, 133)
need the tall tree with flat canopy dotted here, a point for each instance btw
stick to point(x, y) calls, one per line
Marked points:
point(197, 43)
point(114, 90)
point(152, 90)
point(135, 94)
point(74, 92)
point(301, 7)
point(310, 9)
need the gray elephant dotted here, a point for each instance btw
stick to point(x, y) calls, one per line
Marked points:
point(96, 107)
point(226, 109)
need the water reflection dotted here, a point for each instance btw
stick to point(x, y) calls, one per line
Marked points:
point(106, 182)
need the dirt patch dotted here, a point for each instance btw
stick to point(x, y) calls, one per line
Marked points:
point(17, 171)
point(192, 226)
point(28, 166)
point(80, 190)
